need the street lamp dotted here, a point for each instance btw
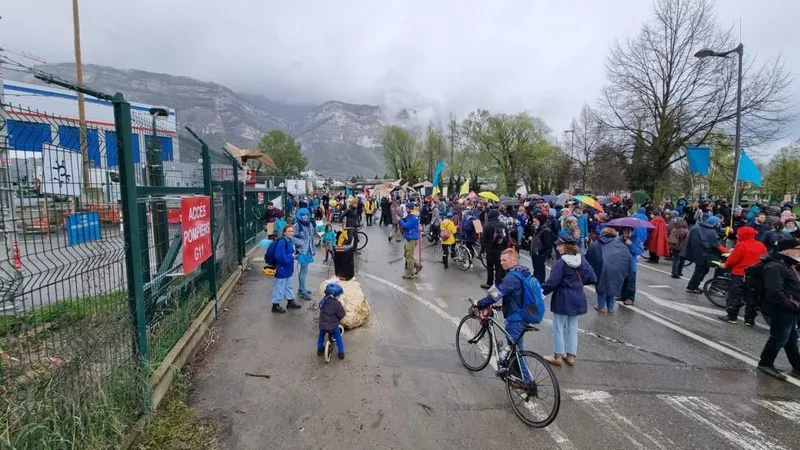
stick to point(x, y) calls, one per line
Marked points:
point(739, 50)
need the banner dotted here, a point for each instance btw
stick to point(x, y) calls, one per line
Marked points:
point(699, 159)
point(748, 171)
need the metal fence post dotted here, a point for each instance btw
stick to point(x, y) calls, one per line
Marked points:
point(239, 192)
point(210, 265)
point(133, 242)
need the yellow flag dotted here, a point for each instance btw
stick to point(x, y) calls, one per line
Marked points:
point(435, 191)
point(464, 188)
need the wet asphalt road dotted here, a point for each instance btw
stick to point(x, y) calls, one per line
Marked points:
point(665, 374)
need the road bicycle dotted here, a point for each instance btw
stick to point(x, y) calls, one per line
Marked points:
point(460, 255)
point(330, 344)
point(475, 335)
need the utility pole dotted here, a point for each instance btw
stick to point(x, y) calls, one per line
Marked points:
point(76, 29)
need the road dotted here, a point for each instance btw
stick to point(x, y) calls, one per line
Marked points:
point(664, 374)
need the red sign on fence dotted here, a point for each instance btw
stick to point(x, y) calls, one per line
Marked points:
point(195, 231)
point(260, 198)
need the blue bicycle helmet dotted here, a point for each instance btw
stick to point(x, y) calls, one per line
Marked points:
point(449, 215)
point(333, 289)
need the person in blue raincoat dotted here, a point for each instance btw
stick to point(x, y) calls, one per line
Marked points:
point(303, 242)
point(611, 261)
point(635, 247)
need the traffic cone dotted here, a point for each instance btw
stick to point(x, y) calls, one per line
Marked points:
point(17, 259)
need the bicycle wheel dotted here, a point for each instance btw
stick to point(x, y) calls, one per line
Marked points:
point(541, 385)
point(362, 240)
point(328, 349)
point(462, 258)
point(716, 291)
point(473, 343)
point(317, 240)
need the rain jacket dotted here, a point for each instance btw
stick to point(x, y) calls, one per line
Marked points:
point(304, 238)
point(512, 291)
point(331, 312)
point(781, 285)
point(678, 235)
point(611, 262)
point(468, 229)
point(448, 225)
point(636, 248)
point(567, 278)
point(657, 241)
point(410, 226)
point(702, 245)
point(746, 252)
point(641, 232)
point(284, 258)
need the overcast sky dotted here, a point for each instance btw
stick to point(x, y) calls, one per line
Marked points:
point(437, 55)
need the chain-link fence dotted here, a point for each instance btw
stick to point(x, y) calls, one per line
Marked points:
point(66, 339)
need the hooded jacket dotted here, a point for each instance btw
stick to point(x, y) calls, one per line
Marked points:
point(487, 237)
point(678, 234)
point(567, 278)
point(641, 232)
point(350, 217)
point(304, 233)
point(284, 257)
point(781, 284)
point(611, 262)
point(331, 312)
point(410, 226)
point(746, 252)
point(703, 245)
point(512, 291)
point(657, 241)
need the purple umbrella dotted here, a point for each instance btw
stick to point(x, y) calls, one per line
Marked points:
point(629, 222)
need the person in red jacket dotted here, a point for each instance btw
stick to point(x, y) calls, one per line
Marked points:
point(748, 251)
point(657, 241)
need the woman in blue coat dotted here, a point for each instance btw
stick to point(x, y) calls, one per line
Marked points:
point(284, 269)
point(611, 262)
point(303, 241)
point(567, 278)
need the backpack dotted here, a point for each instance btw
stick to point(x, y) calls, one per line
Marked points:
point(500, 237)
point(533, 309)
point(754, 283)
point(269, 257)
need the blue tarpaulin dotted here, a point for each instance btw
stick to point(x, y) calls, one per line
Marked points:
point(699, 159)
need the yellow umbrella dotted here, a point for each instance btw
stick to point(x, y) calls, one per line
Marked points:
point(489, 196)
point(464, 188)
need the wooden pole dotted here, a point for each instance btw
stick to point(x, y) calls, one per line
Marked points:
point(76, 28)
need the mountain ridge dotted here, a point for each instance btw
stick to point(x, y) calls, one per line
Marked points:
point(340, 139)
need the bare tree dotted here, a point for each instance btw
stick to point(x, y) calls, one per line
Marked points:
point(658, 90)
point(589, 136)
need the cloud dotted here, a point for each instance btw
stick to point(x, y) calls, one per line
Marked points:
point(440, 57)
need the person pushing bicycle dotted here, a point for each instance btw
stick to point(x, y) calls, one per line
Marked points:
point(511, 291)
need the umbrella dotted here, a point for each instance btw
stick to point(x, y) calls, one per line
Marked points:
point(489, 196)
point(604, 200)
point(562, 199)
point(589, 201)
point(550, 198)
point(509, 202)
point(536, 197)
point(629, 222)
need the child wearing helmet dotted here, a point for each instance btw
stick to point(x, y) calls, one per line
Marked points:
point(331, 312)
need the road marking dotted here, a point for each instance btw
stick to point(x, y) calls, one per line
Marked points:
point(598, 402)
point(676, 307)
point(788, 410)
point(555, 432)
point(665, 317)
point(440, 301)
point(660, 286)
point(423, 286)
point(739, 433)
point(659, 270)
point(736, 348)
point(732, 353)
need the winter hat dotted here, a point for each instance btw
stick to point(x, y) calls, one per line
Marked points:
point(712, 220)
point(410, 205)
point(641, 211)
point(786, 244)
point(566, 239)
point(737, 208)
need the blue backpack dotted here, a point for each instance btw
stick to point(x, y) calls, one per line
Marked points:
point(532, 310)
point(269, 256)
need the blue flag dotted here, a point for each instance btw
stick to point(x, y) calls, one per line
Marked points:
point(439, 169)
point(748, 171)
point(699, 159)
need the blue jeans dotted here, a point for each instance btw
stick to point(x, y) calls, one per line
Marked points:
point(606, 301)
point(516, 329)
point(782, 335)
point(301, 277)
point(571, 322)
point(282, 290)
point(677, 263)
point(337, 336)
point(629, 287)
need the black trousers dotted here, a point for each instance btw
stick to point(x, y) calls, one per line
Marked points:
point(736, 300)
point(494, 271)
point(369, 220)
point(539, 270)
point(447, 251)
point(700, 271)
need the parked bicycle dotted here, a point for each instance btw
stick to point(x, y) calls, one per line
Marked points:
point(475, 335)
point(716, 289)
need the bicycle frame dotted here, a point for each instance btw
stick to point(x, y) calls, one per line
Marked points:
point(489, 325)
